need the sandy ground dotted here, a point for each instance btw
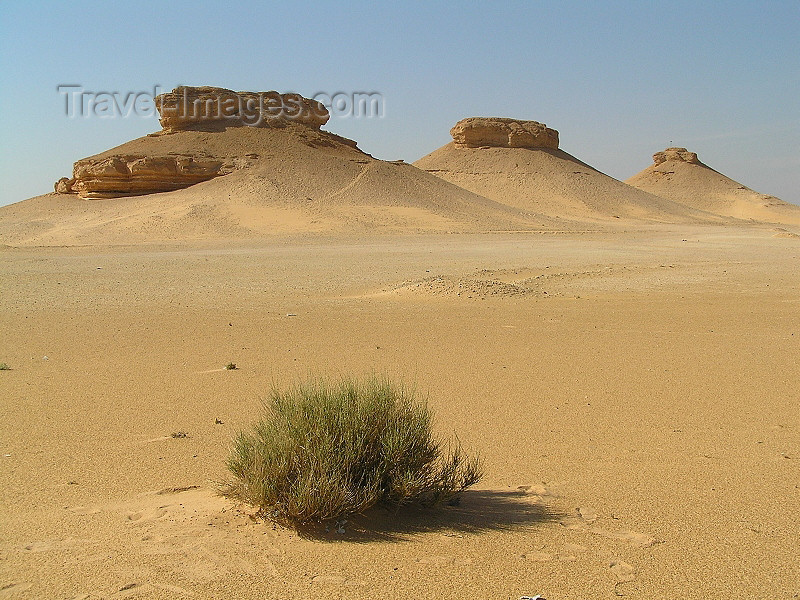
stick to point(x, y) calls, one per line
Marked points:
point(634, 395)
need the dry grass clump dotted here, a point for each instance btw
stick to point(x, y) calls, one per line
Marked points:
point(325, 451)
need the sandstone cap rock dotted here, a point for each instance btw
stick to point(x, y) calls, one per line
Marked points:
point(207, 108)
point(500, 132)
point(186, 108)
point(678, 154)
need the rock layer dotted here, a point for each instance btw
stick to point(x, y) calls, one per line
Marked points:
point(115, 176)
point(547, 182)
point(211, 108)
point(679, 154)
point(678, 175)
point(498, 132)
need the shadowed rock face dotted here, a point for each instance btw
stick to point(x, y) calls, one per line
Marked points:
point(135, 175)
point(679, 154)
point(209, 109)
point(497, 132)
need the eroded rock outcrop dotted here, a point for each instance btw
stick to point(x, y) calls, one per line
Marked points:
point(115, 176)
point(678, 154)
point(498, 132)
point(186, 108)
point(63, 186)
point(210, 108)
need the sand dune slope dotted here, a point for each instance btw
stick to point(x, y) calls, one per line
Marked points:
point(551, 182)
point(289, 180)
point(697, 185)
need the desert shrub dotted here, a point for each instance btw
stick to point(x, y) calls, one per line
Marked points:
point(325, 451)
point(4, 367)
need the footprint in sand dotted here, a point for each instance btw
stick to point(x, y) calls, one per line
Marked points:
point(539, 489)
point(146, 516)
point(10, 590)
point(257, 569)
point(569, 553)
point(641, 540)
point(622, 570)
point(582, 517)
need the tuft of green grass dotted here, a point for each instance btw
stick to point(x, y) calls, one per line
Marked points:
point(4, 367)
point(325, 451)
point(230, 367)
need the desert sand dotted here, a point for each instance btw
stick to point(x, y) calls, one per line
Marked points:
point(552, 182)
point(627, 370)
point(680, 176)
point(293, 180)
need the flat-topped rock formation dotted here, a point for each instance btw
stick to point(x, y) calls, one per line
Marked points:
point(293, 179)
point(676, 154)
point(518, 163)
point(499, 132)
point(211, 108)
point(678, 175)
point(208, 109)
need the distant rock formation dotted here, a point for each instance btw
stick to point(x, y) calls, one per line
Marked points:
point(518, 163)
point(678, 175)
point(210, 109)
point(498, 132)
point(679, 154)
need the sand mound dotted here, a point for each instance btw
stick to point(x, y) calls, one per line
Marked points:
point(678, 175)
point(292, 179)
point(132, 170)
point(247, 164)
point(543, 179)
point(477, 287)
point(543, 282)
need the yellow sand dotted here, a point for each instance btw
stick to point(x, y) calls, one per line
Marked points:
point(634, 395)
point(293, 180)
point(701, 187)
point(553, 183)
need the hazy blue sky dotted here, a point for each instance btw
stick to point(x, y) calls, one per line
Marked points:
point(618, 80)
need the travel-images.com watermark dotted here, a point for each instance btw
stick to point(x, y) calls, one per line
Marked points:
point(248, 107)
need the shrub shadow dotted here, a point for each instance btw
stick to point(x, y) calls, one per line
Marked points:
point(475, 511)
